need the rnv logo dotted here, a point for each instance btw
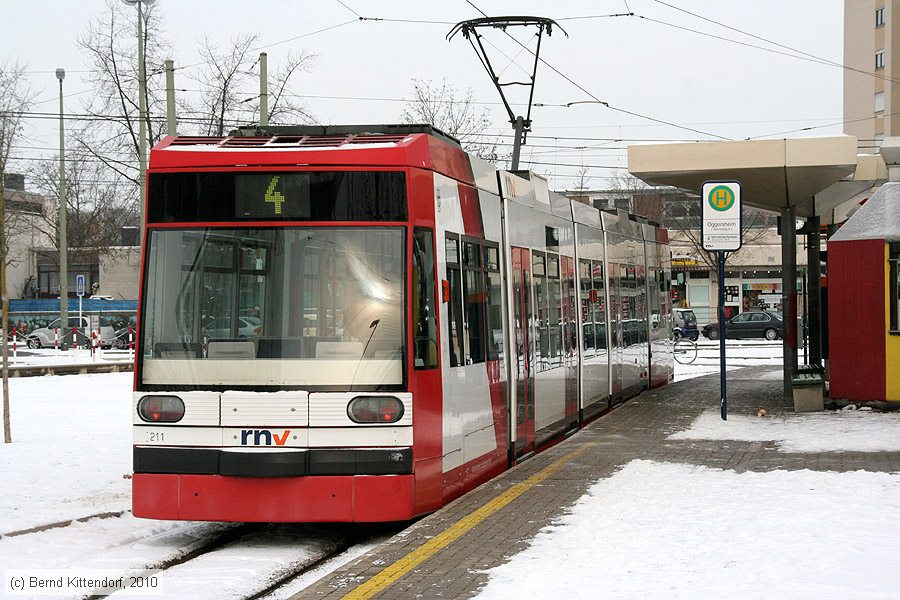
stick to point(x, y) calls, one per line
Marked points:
point(263, 437)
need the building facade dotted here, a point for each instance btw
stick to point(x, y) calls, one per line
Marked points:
point(871, 52)
point(32, 262)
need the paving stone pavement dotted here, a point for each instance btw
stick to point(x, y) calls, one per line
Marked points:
point(638, 429)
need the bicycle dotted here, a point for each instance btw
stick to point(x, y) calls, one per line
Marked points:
point(685, 350)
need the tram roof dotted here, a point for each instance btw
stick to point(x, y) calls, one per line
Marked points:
point(403, 129)
point(421, 146)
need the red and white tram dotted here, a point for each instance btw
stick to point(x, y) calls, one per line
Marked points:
point(363, 323)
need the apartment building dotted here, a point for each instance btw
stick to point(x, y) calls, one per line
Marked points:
point(871, 46)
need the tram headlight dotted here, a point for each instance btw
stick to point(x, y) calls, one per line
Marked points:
point(161, 409)
point(375, 409)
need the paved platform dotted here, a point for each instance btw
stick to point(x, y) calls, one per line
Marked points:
point(445, 554)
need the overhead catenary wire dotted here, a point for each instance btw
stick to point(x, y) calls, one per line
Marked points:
point(595, 98)
point(484, 136)
point(820, 59)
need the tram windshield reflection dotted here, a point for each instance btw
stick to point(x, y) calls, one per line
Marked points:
point(280, 306)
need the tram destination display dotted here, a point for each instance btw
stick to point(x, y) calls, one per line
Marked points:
point(277, 196)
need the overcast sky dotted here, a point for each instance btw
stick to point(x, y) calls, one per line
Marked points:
point(655, 63)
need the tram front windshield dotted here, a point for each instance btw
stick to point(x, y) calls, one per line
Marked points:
point(270, 308)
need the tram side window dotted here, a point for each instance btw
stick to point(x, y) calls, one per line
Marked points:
point(494, 293)
point(567, 272)
point(541, 316)
point(586, 300)
point(554, 312)
point(599, 304)
point(665, 289)
point(454, 310)
point(655, 316)
point(473, 294)
point(425, 353)
point(641, 304)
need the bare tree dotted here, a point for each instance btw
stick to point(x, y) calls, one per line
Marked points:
point(107, 138)
point(224, 77)
point(15, 96)
point(582, 179)
point(95, 214)
point(454, 113)
point(110, 131)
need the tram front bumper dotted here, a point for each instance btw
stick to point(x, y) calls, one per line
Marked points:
point(308, 499)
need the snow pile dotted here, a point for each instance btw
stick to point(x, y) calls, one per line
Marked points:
point(838, 431)
point(674, 531)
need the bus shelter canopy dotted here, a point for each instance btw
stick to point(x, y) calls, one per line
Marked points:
point(773, 174)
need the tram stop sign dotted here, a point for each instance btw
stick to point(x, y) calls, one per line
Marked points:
point(721, 215)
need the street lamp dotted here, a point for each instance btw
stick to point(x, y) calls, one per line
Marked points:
point(142, 107)
point(63, 233)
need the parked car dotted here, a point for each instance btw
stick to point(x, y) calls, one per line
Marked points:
point(685, 323)
point(247, 327)
point(751, 324)
point(44, 337)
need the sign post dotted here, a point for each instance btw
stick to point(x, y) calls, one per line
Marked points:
point(79, 290)
point(720, 229)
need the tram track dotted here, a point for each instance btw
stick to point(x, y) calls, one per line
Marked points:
point(59, 524)
point(277, 554)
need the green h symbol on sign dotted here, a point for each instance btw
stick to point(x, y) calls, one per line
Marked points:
point(721, 198)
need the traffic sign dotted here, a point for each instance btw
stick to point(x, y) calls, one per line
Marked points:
point(721, 215)
point(79, 285)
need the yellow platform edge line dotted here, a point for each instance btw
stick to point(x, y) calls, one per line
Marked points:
point(390, 574)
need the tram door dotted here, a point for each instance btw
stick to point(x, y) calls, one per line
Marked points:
point(524, 360)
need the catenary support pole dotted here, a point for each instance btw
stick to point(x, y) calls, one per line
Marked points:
point(171, 124)
point(142, 118)
point(63, 226)
point(263, 90)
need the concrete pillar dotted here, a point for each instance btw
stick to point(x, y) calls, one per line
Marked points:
point(814, 291)
point(789, 296)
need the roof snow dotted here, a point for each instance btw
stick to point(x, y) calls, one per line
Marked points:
point(877, 219)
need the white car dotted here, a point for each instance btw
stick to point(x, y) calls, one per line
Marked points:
point(44, 337)
point(246, 327)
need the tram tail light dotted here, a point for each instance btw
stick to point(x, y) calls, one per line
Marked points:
point(161, 409)
point(375, 409)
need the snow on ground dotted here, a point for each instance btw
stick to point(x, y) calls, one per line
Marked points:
point(738, 354)
point(650, 530)
point(829, 431)
point(71, 448)
point(313, 575)
point(246, 567)
point(675, 531)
